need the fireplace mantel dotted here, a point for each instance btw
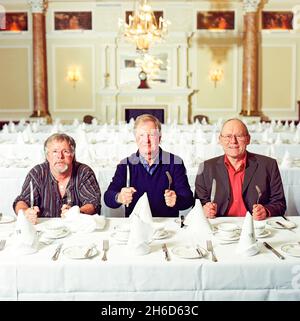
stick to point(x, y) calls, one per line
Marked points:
point(175, 102)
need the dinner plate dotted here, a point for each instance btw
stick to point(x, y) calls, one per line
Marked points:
point(264, 234)
point(54, 225)
point(188, 252)
point(228, 227)
point(58, 235)
point(7, 219)
point(79, 252)
point(118, 238)
point(224, 238)
point(292, 249)
point(287, 224)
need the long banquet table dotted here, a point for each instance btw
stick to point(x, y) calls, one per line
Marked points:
point(150, 277)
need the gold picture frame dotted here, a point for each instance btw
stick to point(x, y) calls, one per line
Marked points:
point(277, 20)
point(72, 20)
point(14, 22)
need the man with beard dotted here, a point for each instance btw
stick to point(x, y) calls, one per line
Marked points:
point(58, 183)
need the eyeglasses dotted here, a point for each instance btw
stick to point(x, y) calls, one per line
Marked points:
point(228, 138)
point(65, 152)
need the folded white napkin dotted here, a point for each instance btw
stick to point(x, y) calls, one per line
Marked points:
point(214, 138)
point(75, 122)
point(142, 209)
point(83, 223)
point(197, 223)
point(296, 138)
point(141, 227)
point(286, 160)
point(94, 122)
point(12, 127)
point(272, 152)
point(266, 136)
point(247, 244)
point(26, 240)
point(20, 140)
point(140, 236)
point(5, 129)
point(278, 140)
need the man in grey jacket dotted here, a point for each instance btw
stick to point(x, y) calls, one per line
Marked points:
point(245, 181)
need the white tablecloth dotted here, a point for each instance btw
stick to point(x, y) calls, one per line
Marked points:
point(150, 277)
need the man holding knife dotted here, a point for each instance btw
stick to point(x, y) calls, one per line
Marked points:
point(243, 181)
point(52, 187)
point(160, 174)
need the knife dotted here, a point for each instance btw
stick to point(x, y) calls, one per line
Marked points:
point(57, 251)
point(213, 190)
point(284, 226)
point(127, 178)
point(165, 250)
point(89, 251)
point(199, 251)
point(269, 247)
point(31, 194)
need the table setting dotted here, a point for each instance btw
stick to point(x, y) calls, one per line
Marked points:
point(179, 253)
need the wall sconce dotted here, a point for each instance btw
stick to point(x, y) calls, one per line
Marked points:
point(73, 76)
point(215, 75)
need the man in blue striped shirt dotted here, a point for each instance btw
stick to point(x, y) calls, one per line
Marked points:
point(58, 183)
point(147, 170)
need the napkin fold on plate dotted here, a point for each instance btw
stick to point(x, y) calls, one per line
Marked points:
point(26, 239)
point(287, 160)
point(247, 245)
point(141, 227)
point(197, 223)
point(84, 223)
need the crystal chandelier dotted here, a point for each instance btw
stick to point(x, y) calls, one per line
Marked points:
point(142, 28)
point(150, 65)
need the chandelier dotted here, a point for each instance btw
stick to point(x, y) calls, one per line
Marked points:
point(150, 65)
point(142, 28)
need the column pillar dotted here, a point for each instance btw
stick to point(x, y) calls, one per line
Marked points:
point(40, 82)
point(250, 59)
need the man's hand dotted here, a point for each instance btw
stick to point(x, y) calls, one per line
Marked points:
point(210, 210)
point(259, 212)
point(170, 197)
point(126, 195)
point(32, 214)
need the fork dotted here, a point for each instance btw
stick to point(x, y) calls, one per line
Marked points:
point(199, 251)
point(211, 249)
point(57, 252)
point(170, 180)
point(2, 244)
point(165, 250)
point(105, 249)
point(259, 193)
point(69, 197)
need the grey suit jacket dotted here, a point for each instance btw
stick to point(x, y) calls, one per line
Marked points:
point(260, 170)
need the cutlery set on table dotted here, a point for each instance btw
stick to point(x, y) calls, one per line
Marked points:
point(81, 251)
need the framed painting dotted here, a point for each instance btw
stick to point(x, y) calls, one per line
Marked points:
point(277, 20)
point(14, 21)
point(72, 20)
point(215, 20)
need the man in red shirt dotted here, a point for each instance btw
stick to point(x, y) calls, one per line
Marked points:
point(239, 174)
